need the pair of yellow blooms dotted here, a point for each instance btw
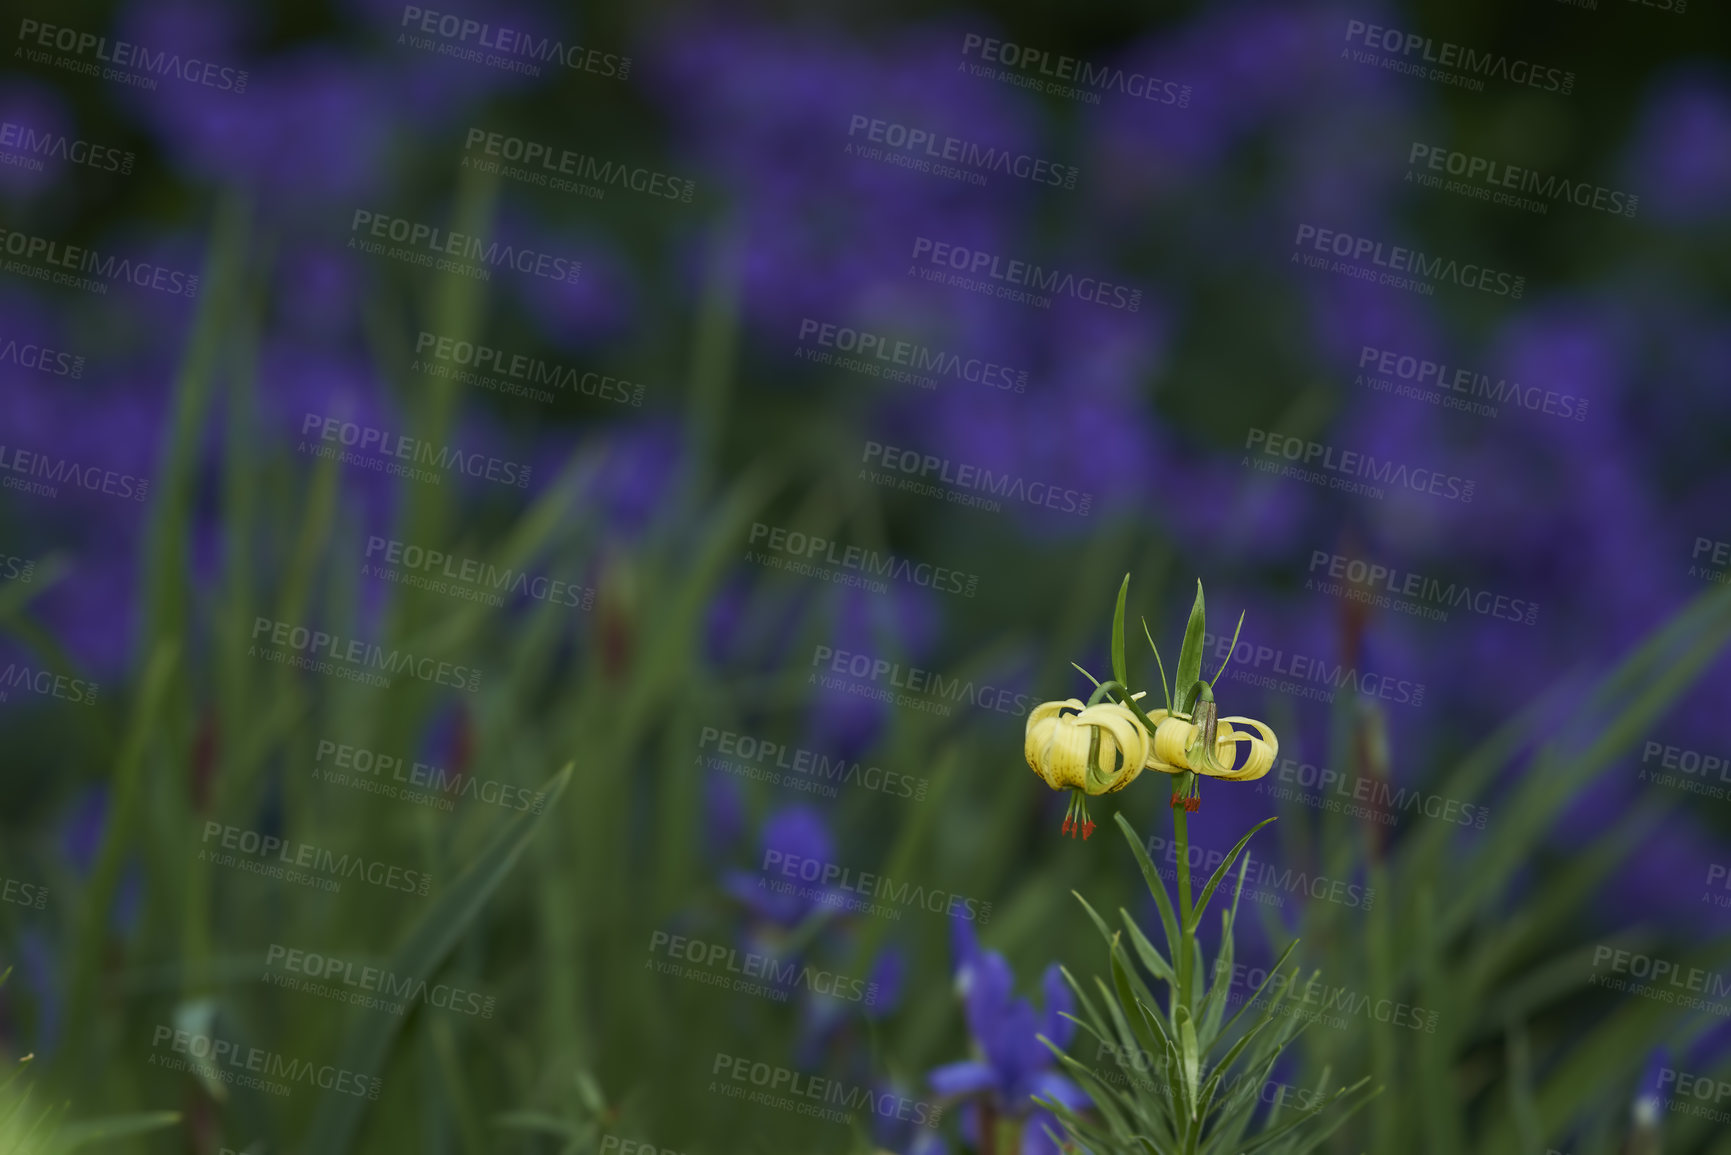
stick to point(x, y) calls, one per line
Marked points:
point(1057, 744)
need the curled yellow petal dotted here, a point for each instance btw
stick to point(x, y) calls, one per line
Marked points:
point(1173, 736)
point(1056, 745)
point(1042, 724)
point(1260, 758)
point(1123, 734)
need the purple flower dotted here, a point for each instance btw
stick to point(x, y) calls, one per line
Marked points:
point(1081, 426)
point(1680, 160)
point(825, 231)
point(792, 836)
point(636, 478)
point(826, 1017)
point(311, 129)
point(1254, 69)
point(1011, 1065)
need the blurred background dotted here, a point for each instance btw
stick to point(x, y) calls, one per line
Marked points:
point(757, 408)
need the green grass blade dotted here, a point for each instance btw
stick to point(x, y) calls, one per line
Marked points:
point(337, 1121)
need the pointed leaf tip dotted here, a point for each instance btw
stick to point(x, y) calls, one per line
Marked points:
point(1118, 667)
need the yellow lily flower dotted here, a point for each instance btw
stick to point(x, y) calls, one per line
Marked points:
point(1056, 745)
point(1181, 746)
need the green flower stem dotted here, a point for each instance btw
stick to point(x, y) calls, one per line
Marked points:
point(1190, 1129)
point(1186, 932)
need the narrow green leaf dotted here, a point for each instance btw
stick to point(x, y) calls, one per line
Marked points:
point(1224, 1066)
point(1145, 1037)
point(1118, 669)
point(1191, 1056)
point(1099, 1023)
point(1262, 986)
point(1231, 648)
point(337, 1119)
point(127, 788)
point(1164, 688)
point(1146, 951)
point(1189, 671)
point(1156, 885)
point(1269, 1136)
point(1220, 873)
